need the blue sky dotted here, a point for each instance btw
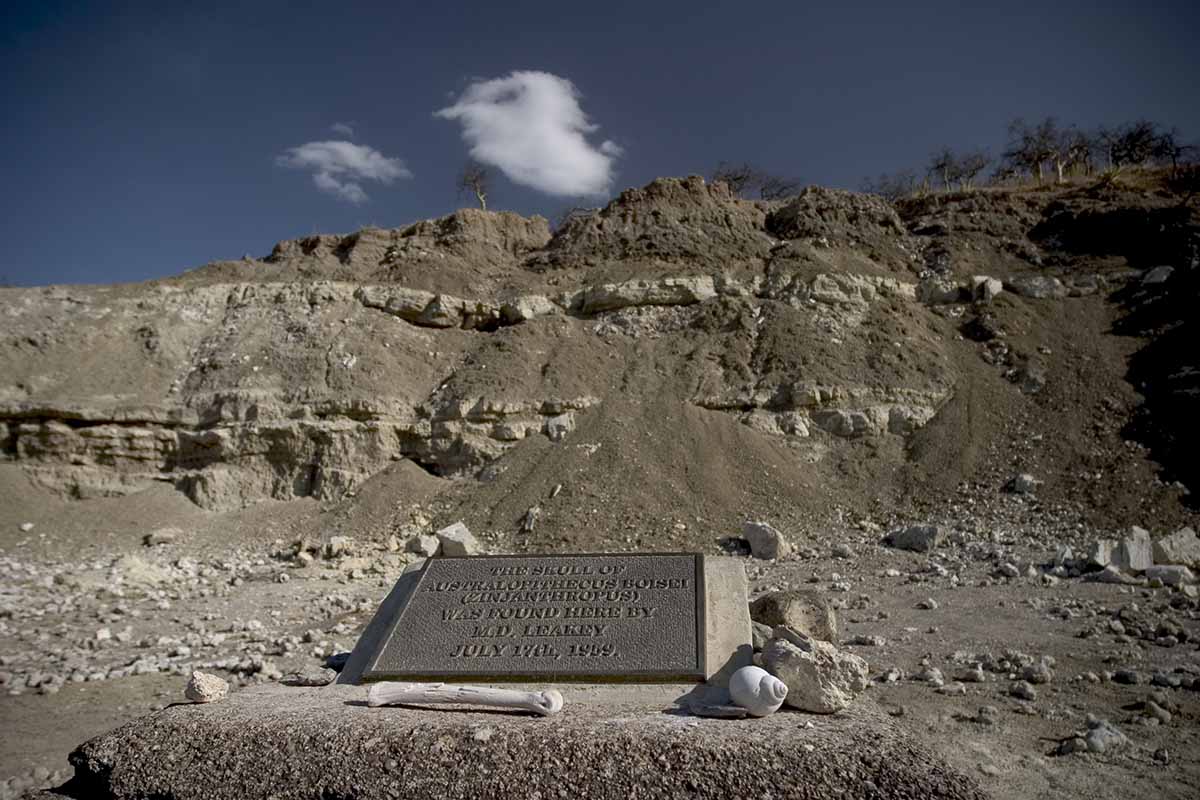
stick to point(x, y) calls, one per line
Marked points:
point(143, 138)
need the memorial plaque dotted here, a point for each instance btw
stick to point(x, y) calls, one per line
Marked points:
point(566, 618)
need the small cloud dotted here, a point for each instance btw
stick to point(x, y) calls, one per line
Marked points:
point(344, 128)
point(337, 167)
point(529, 126)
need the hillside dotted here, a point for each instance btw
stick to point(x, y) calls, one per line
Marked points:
point(817, 360)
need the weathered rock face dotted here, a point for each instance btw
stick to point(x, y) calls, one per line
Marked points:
point(451, 341)
point(799, 336)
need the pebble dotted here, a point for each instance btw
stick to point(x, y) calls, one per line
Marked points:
point(204, 687)
point(1023, 690)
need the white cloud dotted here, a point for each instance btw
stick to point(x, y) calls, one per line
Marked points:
point(338, 166)
point(529, 126)
point(344, 128)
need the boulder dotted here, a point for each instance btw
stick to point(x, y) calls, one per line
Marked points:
point(161, 536)
point(917, 538)
point(204, 687)
point(820, 678)
point(1099, 553)
point(984, 289)
point(1023, 483)
point(1181, 547)
point(804, 611)
point(1171, 574)
point(457, 540)
point(425, 546)
point(765, 541)
point(557, 427)
point(1134, 551)
point(1038, 287)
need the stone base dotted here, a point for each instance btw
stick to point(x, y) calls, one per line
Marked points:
point(616, 742)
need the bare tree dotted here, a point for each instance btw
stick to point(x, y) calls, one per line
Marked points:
point(476, 179)
point(1170, 149)
point(892, 186)
point(1030, 147)
point(776, 188)
point(1131, 144)
point(744, 178)
point(969, 165)
point(740, 178)
point(944, 164)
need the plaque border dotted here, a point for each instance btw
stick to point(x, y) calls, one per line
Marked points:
point(371, 674)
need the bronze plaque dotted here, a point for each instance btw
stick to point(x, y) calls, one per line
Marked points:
point(554, 618)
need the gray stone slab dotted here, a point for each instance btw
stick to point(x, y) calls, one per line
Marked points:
point(608, 742)
point(721, 625)
point(554, 617)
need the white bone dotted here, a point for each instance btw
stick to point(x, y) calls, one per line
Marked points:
point(388, 693)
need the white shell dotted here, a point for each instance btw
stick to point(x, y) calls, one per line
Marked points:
point(757, 691)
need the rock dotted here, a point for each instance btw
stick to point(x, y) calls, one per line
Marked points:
point(26, 527)
point(1129, 677)
point(457, 540)
point(1103, 736)
point(1134, 552)
point(338, 546)
point(1157, 276)
point(757, 691)
point(985, 289)
point(1038, 287)
point(558, 427)
point(805, 611)
point(1170, 574)
point(765, 541)
point(204, 687)
point(1099, 554)
point(1111, 574)
point(819, 677)
point(1022, 484)
point(1038, 673)
point(928, 604)
point(1181, 547)
point(972, 674)
point(337, 661)
point(424, 545)
point(936, 290)
point(320, 676)
point(161, 536)
point(1023, 690)
point(760, 635)
point(917, 538)
point(954, 688)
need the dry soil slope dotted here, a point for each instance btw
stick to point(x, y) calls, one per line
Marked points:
point(677, 360)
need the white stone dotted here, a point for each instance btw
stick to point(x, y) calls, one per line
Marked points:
point(1023, 484)
point(558, 427)
point(1134, 552)
point(337, 546)
point(1171, 574)
point(426, 546)
point(757, 691)
point(26, 526)
point(917, 538)
point(765, 541)
point(204, 687)
point(457, 540)
point(984, 289)
point(820, 678)
point(1180, 547)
